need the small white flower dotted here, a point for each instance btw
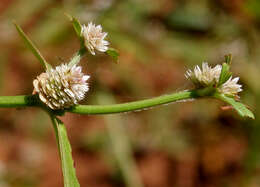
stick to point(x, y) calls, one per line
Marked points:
point(61, 87)
point(205, 76)
point(208, 76)
point(230, 87)
point(94, 38)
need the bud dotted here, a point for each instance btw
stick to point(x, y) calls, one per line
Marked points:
point(94, 38)
point(61, 87)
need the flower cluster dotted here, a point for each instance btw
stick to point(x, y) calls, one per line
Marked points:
point(208, 76)
point(66, 85)
point(94, 38)
point(61, 87)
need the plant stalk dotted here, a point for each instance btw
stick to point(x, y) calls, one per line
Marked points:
point(33, 100)
point(77, 57)
point(132, 106)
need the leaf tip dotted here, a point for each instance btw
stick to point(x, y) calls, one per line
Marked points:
point(14, 22)
point(68, 16)
point(250, 115)
point(16, 25)
point(114, 54)
point(241, 109)
point(228, 58)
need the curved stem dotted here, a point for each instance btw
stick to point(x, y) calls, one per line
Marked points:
point(132, 106)
point(33, 100)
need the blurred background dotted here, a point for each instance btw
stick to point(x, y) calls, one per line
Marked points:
point(187, 144)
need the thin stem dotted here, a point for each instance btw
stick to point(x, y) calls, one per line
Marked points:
point(33, 100)
point(77, 57)
point(132, 106)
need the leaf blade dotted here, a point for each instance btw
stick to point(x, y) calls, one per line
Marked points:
point(68, 170)
point(225, 74)
point(242, 110)
point(113, 53)
point(77, 26)
point(32, 47)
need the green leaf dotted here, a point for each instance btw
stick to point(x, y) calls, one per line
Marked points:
point(238, 106)
point(77, 27)
point(225, 74)
point(113, 53)
point(76, 24)
point(68, 170)
point(32, 47)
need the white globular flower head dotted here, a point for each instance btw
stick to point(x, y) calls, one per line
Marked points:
point(209, 76)
point(94, 38)
point(61, 87)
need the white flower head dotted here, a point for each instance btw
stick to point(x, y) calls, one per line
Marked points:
point(61, 87)
point(209, 76)
point(94, 38)
point(230, 87)
point(205, 76)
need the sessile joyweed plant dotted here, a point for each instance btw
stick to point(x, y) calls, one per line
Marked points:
point(59, 90)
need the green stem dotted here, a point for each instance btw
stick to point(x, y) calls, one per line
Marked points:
point(76, 58)
point(132, 106)
point(33, 100)
point(19, 101)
